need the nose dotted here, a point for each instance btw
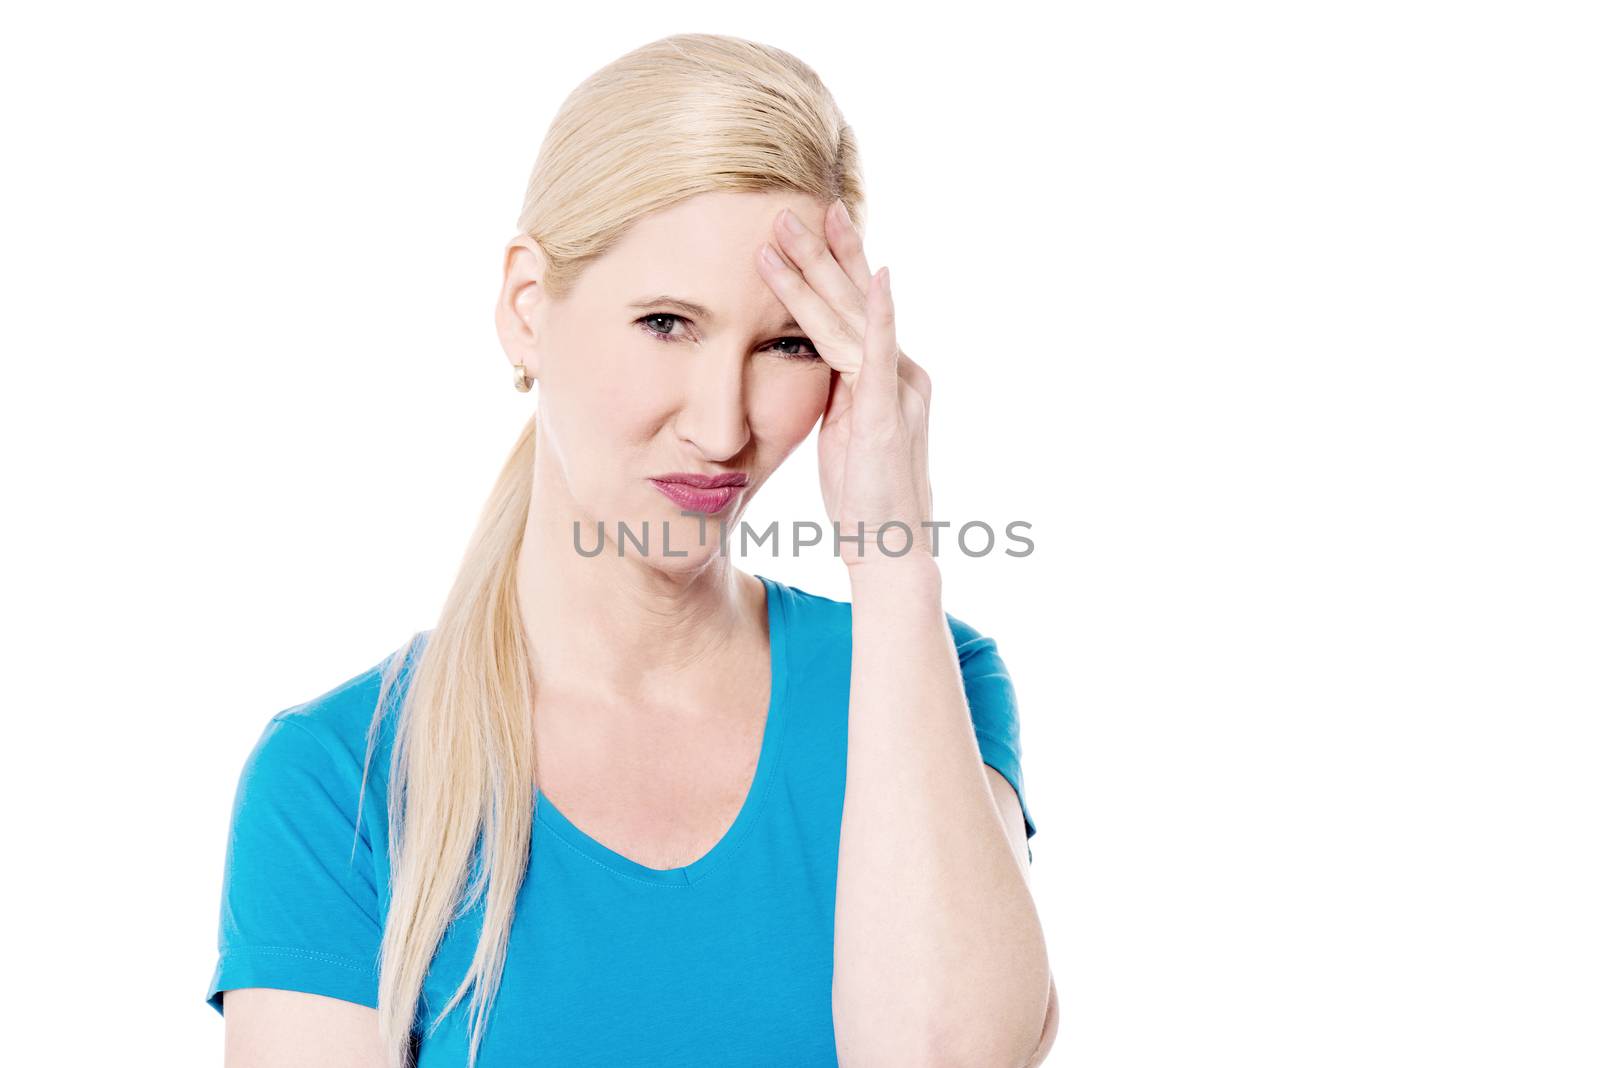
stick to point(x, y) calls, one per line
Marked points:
point(714, 416)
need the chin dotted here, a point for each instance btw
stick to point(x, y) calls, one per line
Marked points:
point(695, 560)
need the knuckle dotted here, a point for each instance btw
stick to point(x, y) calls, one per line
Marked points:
point(843, 331)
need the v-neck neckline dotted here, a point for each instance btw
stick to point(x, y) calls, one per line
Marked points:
point(755, 798)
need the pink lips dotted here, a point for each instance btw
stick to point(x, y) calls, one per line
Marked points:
point(701, 493)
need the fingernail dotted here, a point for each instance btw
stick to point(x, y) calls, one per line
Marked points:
point(791, 223)
point(839, 212)
point(772, 258)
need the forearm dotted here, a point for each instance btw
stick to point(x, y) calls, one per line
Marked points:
point(939, 956)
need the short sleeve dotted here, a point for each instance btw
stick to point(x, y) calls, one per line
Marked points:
point(299, 898)
point(992, 700)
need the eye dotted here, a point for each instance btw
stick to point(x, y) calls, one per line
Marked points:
point(657, 334)
point(650, 323)
point(810, 353)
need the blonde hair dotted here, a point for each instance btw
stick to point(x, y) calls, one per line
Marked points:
point(684, 115)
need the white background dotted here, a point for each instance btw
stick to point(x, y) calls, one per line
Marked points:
point(1277, 321)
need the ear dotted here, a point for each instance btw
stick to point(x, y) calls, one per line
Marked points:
point(520, 302)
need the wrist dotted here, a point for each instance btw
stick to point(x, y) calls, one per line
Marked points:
point(913, 570)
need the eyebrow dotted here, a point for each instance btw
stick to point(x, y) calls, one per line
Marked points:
point(697, 311)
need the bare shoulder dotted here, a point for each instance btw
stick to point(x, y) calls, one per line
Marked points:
point(266, 1027)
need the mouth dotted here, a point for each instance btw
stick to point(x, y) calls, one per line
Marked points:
point(708, 494)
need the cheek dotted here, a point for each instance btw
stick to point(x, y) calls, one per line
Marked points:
point(786, 405)
point(617, 387)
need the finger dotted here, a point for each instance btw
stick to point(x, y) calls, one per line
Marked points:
point(844, 237)
point(809, 251)
point(877, 388)
point(836, 340)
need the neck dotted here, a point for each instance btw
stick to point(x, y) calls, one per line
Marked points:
point(611, 627)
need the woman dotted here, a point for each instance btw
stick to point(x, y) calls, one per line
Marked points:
point(639, 756)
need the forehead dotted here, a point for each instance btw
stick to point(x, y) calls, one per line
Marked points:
point(710, 220)
point(703, 249)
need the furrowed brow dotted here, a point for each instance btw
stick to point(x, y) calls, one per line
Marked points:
point(696, 311)
point(688, 307)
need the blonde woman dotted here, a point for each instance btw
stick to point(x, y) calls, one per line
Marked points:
point(601, 813)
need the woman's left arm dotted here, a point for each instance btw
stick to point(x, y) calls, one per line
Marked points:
point(939, 955)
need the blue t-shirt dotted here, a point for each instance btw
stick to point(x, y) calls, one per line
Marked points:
point(725, 961)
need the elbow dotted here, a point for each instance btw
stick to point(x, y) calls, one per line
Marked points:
point(1018, 1039)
